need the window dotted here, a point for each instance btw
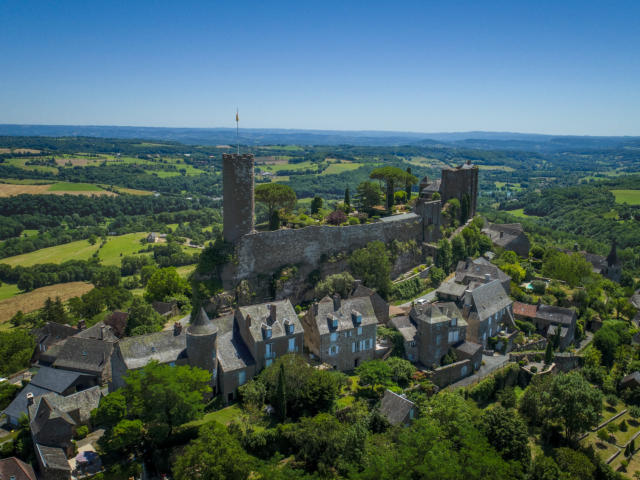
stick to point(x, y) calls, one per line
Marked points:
point(268, 351)
point(463, 371)
point(242, 377)
point(371, 342)
point(292, 345)
point(269, 362)
point(412, 343)
point(454, 322)
point(438, 339)
point(334, 337)
point(353, 347)
point(172, 364)
point(333, 350)
point(453, 336)
point(359, 330)
point(411, 414)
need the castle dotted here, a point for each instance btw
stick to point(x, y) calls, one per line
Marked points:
point(260, 254)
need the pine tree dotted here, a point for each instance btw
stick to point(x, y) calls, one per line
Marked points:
point(58, 312)
point(281, 394)
point(316, 204)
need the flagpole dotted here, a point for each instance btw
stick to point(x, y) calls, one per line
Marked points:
point(237, 133)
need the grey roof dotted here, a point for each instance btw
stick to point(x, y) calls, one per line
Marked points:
point(402, 216)
point(55, 379)
point(405, 327)
point(432, 187)
point(470, 348)
point(635, 299)
point(451, 310)
point(163, 308)
point(19, 404)
point(78, 405)
point(53, 332)
point(482, 260)
point(15, 468)
point(395, 407)
point(433, 313)
point(232, 353)
point(260, 315)
point(84, 354)
point(44, 411)
point(100, 331)
point(489, 299)
point(632, 378)
point(165, 347)
point(471, 270)
point(201, 324)
point(564, 316)
point(451, 288)
point(361, 305)
point(52, 457)
point(224, 323)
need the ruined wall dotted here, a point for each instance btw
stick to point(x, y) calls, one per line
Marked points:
point(238, 198)
point(265, 252)
point(456, 182)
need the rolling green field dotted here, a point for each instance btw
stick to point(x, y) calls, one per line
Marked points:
point(519, 213)
point(335, 168)
point(287, 166)
point(74, 187)
point(8, 290)
point(631, 197)
point(120, 246)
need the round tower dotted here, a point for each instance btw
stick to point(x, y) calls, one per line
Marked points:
point(201, 344)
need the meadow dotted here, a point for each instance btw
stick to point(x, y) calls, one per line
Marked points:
point(631, 197)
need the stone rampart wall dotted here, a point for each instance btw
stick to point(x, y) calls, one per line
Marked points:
point(265, 252)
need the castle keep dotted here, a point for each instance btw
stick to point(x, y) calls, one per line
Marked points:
point(262, 253)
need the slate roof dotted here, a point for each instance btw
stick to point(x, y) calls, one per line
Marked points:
point(433, 313)
point(524, 309)
point(19, 404)
point(451, 310)
point(395, 407)
point(564, 316)
point(431, 188)
point(633, 379)
point(163, 308)
point(54, 379)
point(45, 410)
point(489, 299)
point(470, 270)
point(451, 288)
point(469, 348)
point(202, 324)
point(361, 305)
point(405, 327)
point(53, 332)
point(84, 354)
point(99, 331)
point(551, 331)
point(52, 457)
point(15, 468)
point(232, 353)
point(260, 314)
point(165, 347)
point(512, 234)
point(78, 405)
point(402, 216)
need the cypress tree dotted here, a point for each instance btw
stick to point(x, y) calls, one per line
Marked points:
point(281, 394)
point(548, 354)
point(347, 197)
point(408, 185)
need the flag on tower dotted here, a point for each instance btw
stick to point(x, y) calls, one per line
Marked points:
point(237, 117)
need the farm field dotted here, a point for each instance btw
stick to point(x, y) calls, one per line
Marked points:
point(8, 290)
point(519, 213)
point(287, 166)
point(79, 250)
point(120, 246)
point(336, 168)
point(632, 197)
point(61, 188)
point(28, 302)
point(132, 191)
point(504, 168)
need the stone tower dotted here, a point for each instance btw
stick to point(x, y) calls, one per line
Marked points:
point(237, 195)
point(201, 344)
point(459, 181)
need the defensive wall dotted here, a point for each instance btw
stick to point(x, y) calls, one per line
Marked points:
point(265, 252)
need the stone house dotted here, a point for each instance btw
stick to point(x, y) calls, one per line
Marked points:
point(49, 335)
point(474, 272)
point(487, 309)
point(380, 306)
point(509, 236)
point(269, 330)
point(409, 334)
point(631, 381)
point(397, 409)
point(341, 333)
point(166, 309)
point(439, 327)
point(547, 318)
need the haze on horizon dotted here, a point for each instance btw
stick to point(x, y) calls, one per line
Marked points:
point(534, 67)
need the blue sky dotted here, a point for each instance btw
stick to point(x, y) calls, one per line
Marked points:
point(540, 66)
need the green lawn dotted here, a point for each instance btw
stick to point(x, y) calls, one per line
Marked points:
point(8, 290)
point(603, 449)
point(223, 416)
point(632, 428)
point(287, 166)
point(120, 246)
point(504, 168)
point(185, 270)
point(632, 197)
point(519, 213)
point(74, 187)
point(80, 250)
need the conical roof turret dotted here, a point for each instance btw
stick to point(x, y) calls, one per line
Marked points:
point(201, 324)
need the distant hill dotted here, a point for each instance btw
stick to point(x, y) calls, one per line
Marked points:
point(254, 136)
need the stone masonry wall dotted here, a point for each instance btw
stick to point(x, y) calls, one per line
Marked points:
point(456, 182)
point(265, 252)
point(237, 195)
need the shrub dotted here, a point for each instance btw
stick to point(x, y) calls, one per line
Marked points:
point(354, 221)
point(603, 435)
point(81, 432)
point(611, 400)
point(623, 426)
point(336, 217)
point(538, 287)
point(534, 369)
point(634, 411)
point(407, 289)
point(613, 427)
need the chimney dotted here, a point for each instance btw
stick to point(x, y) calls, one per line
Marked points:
point(468, 262)
point(102, 331)
point(336, 302)
point(272, 312)
point(29, 399)
point(177, 328)
point(357, 283)
point(487, 277)
point(82, 325)
point(248, 320)
point(501, 234)
point(315, 309)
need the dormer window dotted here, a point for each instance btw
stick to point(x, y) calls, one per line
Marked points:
point(454, 322)
point(289, 327)
point(333, 322)
point(266, 331)
point(356, 317)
